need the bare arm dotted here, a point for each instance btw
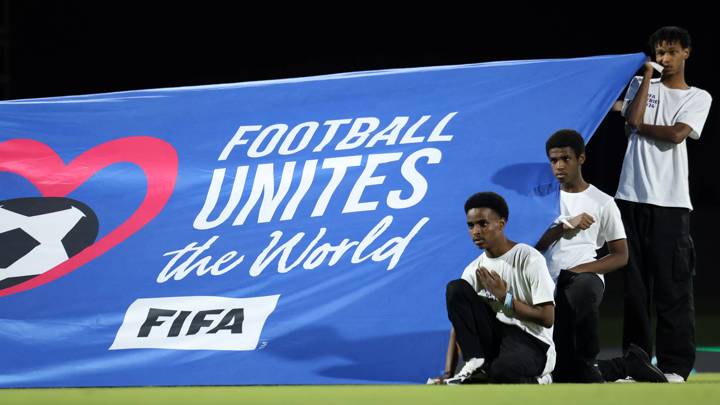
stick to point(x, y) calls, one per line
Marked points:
point(617, 257)
point(636, 110)
point(667, 133)
point(550, 236)
point(582, 221)
point(451, 358)
point(542, 314)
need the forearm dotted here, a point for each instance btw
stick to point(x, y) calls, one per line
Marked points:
point(549, 237)
point(673, 134)
point(604, 265)
point(451, 357)
point(636, 110)
point(616, 258)
point(543, 315)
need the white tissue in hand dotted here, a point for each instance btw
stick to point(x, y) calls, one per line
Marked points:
point(657, 66)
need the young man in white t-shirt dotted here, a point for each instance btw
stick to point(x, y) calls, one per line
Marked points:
point(589, 219)
point(502, 307)
point(654, 200)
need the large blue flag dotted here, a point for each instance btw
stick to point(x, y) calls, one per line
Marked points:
point(294, 231)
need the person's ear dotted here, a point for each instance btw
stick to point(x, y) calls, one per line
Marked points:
point(686, 53)
point(581, 158)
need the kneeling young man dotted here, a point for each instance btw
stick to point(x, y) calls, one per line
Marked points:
point(502, 307)
point(588, 220)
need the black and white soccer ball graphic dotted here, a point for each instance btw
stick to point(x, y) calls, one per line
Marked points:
point(38, 233)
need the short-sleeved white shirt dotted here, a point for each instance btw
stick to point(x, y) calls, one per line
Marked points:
point(656, 172)
point(577, 246)
point(524, 270)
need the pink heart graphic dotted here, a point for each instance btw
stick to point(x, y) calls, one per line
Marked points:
point(40, 165)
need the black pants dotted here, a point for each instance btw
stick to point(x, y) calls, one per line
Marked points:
point(577, 303)
point(511, 355)
point(659, 272)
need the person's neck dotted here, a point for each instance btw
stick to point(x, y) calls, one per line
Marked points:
point(675, 81)
point(501, 248)
point(576, 186)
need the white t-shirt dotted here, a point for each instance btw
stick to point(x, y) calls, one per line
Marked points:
point(577, 246)
point(523, 269)
point(656, 172)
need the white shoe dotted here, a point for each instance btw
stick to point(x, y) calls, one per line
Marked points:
point(625, 380)
point(432, 381)
point(467, 372)
point(545, 379)
point(674, 378)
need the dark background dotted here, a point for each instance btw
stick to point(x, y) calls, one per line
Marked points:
point(58, 48)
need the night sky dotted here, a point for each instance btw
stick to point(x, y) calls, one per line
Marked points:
point(56, 48)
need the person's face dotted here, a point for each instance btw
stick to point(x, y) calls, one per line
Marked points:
point(485, 227)
point(565, 165)
point(671, 56)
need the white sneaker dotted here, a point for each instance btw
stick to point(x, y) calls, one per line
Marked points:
point(545, 379)
point(467, 372)
point(625, 380)
point(674, 378)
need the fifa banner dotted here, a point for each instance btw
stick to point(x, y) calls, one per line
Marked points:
point(295, 231)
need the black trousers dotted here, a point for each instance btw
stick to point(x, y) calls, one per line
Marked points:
point(577, 303)
point(659, 274)
point(511, 355)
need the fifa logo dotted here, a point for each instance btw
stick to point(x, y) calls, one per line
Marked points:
point(202, 321)
point(194, 323)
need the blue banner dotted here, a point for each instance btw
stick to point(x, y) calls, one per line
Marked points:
point(294, 231)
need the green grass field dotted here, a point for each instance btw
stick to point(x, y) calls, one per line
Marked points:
point(702, 388)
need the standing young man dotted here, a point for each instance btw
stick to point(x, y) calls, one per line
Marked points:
point(654, 200)
point(502, 307)
point(588, 220)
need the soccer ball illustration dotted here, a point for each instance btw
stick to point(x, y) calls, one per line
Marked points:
point(38, 233)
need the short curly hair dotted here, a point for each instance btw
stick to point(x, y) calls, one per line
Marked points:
point(566, 138)
point(488, 199)
point(670, 35)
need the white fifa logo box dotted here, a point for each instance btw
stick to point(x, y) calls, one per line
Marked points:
point(194, 323)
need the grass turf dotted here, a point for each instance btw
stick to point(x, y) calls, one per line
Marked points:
point(703, 388)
